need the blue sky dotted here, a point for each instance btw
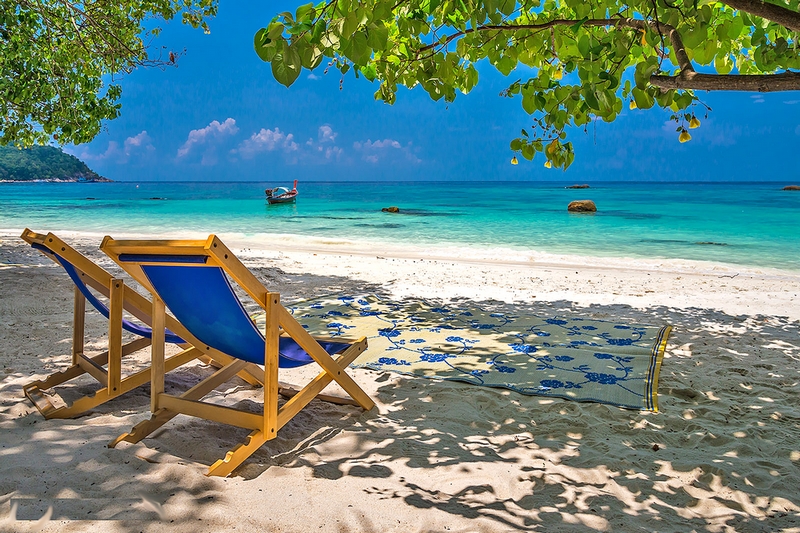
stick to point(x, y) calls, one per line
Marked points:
point(220, 115)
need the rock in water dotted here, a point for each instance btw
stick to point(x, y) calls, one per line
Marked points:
point(584, 186)
point(582, 206)
point(392, 209)
point(792, 188)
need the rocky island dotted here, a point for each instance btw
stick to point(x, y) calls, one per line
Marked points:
point(44, 163)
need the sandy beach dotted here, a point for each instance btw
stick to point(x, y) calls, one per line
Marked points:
point(722, 454)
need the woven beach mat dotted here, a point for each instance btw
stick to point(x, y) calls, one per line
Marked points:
point(557, 356)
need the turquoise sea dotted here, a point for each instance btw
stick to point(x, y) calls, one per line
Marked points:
point(750, 224)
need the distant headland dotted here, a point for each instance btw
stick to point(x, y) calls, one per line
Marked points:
point(44, 163)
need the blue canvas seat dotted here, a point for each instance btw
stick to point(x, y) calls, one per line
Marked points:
point(105, 367)
point(195, 280)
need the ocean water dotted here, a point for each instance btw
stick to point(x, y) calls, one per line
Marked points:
point(750, 224)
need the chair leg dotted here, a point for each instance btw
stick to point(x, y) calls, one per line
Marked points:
point(315, 386)
point(162, 416)
point(34, 390)
point(236, 456)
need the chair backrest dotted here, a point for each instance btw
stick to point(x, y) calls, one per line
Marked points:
point(192, 278)
point(38, 243)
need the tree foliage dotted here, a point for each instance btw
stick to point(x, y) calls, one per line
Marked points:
point(572, 61)
point(55, 56)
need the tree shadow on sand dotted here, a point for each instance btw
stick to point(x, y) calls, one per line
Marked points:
point(721, 455)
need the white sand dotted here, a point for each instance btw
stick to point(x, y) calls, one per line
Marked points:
point(723, 454)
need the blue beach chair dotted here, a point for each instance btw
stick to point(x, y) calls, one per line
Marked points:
point(191, 279)
point(105, 367)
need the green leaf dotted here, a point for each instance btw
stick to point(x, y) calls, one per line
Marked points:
point(642, 98)
point(694, 37)
point(642, 73)
point(583, 45)
point(506, 65)
point(735, 28)
point(369, 72)
point(286, 65)
point(507, 7)
point(381, 11)
point(358, 50)
point(377, 36)
point(723, 64)
point(305, 13)
point(264, 51)
point(310, 55)
point(317, 31)
point(471, 78)
point(528, 151)
point(351, 23)
point(275, 30)
point(577, 26)
point(590, 98)
point(529, 102)
point(302, 27)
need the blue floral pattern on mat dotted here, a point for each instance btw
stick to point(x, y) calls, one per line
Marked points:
point(564, 356)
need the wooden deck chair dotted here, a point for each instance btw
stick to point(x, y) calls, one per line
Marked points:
point(106, 367)
point(191, 279)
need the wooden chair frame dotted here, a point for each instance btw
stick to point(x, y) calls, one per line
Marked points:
point(279, 321)
point(106, 367)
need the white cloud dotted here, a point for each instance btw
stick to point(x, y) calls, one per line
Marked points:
point(266, 140)
point(334, 152)
point(137, 145)
point(214, 130)
point(326, 134)
point(374, 151)
point(366, 145)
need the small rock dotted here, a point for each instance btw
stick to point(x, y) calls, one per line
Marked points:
point(392, 209)
point(655, 447)
point(584, 186)
point(582, 206)
point(792, 188)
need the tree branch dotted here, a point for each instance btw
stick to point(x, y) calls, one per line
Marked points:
point(775, 13)
point(677, 43)
point(786, 81)
point(688, 78)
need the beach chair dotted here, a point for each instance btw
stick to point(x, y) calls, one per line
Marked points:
point(106, 367)
point(192, 278)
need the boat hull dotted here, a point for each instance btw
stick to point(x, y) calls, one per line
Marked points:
point(285, 200)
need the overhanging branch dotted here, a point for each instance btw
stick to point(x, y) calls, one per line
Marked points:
point(688, 78)
point(775, 13)
point(765, 83)
point(665, 29)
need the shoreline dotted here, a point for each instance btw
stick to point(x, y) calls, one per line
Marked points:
point(453, 273)
point(472, 253)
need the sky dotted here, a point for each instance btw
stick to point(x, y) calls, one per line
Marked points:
point(221, 116)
